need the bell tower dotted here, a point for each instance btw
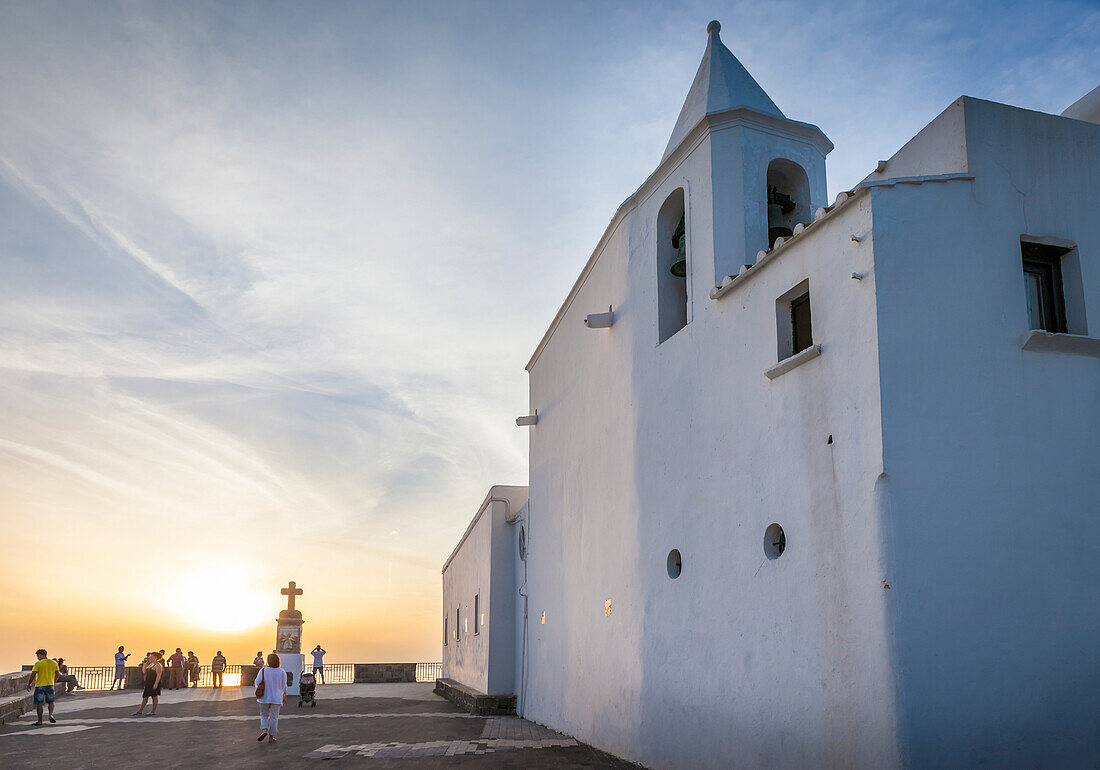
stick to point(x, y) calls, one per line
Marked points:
point(767, 171)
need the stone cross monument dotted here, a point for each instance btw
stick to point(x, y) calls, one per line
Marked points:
point(288, 638)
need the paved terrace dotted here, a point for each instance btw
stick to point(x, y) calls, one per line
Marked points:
point(374, 725)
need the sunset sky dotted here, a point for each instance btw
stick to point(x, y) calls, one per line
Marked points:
point(271, 273)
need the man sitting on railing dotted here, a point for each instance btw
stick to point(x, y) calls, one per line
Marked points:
point(65, 678)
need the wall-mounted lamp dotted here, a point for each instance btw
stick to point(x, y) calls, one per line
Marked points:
point(600, 320)
point(528, 419)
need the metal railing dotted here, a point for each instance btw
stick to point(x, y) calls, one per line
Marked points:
point(335, 673)
point(428, 672)
point(101, 677)
point(93, 677)
point(231, 677)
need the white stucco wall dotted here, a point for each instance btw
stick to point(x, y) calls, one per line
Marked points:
point(936, 483)
point(643, 448)
point(992, 453)
point(938, 148)
point(738, 189)
point(482, 565)
point(918, 616)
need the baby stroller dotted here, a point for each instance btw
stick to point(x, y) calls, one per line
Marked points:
point(307, 689)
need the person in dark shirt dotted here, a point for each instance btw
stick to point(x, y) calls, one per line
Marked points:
point(217, 668)
point(65, 678)
point(152, 671)
point(193, 668)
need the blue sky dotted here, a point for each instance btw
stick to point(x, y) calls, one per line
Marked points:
point(278, 266)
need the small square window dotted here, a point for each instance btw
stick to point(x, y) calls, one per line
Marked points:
point(794, 332)
point(1046, 305)
point(801, 332)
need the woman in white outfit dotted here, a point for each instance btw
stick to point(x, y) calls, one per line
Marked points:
point(273, 698)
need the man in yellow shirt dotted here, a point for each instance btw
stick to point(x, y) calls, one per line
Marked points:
point(43, 675)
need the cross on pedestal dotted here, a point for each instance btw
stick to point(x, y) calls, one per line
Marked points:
point(290, 592)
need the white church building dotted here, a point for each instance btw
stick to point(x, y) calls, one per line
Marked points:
point(813, 483)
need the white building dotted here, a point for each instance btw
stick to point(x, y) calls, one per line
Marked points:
point(841, 508)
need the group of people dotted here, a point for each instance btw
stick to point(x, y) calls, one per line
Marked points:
point(271, 684)
point(177, 669)
point(271, 681)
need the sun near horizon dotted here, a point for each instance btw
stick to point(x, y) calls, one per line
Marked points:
point(222, 605)
point(268, 291)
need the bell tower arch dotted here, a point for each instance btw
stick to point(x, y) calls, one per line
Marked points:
point(767, 171)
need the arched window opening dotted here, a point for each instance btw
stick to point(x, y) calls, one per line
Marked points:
point(672, 268)
point(788, 198)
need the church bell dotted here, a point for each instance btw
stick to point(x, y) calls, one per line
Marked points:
point(679, 242)
point(779, 205)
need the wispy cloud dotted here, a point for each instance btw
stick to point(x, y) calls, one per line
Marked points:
point(277, 266)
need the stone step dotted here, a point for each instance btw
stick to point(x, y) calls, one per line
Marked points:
point(14, 706)
point(475, 701)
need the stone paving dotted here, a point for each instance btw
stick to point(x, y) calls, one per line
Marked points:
point(376, 725)
point(499, 734)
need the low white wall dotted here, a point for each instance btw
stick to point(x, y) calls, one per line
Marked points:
point(482, 654)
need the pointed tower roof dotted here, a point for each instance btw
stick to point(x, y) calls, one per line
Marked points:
point(722, 83)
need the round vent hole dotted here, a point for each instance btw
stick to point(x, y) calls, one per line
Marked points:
point(775, 541)
point(674, 564)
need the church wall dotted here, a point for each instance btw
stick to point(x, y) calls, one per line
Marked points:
point(777, 661)
point(938, 148)
point(728, 191)
point(740, 186)
point(500, 611)
point(991, 453)
point(466, 659)
point(641, 448)
point(482, 566)
point(584, 669)
point(521, 606)
point(936, 482)
point(760, 150)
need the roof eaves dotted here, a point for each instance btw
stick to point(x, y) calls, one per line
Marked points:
point(801, 231)
point(491, 496)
